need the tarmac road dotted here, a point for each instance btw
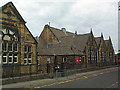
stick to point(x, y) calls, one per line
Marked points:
point(105, 78)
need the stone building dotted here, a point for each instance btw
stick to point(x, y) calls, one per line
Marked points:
point(110, 54)
point(101, 51)
point(59, 47)
point(18, 47)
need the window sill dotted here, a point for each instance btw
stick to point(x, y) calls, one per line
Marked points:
point(5, 63)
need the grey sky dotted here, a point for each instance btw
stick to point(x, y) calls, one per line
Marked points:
point(74, 15)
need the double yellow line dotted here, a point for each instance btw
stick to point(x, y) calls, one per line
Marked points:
point(65, 81)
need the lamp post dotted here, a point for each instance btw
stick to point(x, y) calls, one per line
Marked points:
point(57, 69)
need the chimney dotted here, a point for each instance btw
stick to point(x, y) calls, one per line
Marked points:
point(75, 32)
point(64, 30)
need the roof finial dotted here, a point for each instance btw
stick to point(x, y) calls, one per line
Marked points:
point(75, 32)
point(49, 23)
point(91, 31)
point(101, 35)
point(109, 38)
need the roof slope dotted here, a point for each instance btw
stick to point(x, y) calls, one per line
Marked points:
point(106, 42)
point(70, 43)
point(59, 33)
point(14, 10)
point(97, 39)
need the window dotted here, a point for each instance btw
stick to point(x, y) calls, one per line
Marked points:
point(4, 46)
point(10, 47)
point(0, 58)
point(25, 48)
point(89, 59)
point(29, 48)
point(15, 60)
point(29, 59)
point(25, 59)
point(27, 55)
point(4, 58)
point(80, 59)
point(0, 36)
point(48, 60)
point(38, 61)
point(10, 59)
point(15, 47)
point(64, 59)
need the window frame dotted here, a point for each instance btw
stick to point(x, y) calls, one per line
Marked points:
point(8, 47)
point(30, 59)
point(63, 60)
point(14, 47)
point(25, 59)
point(11, 58)
point(15, 57)
point(5, 57)
point(48, 60)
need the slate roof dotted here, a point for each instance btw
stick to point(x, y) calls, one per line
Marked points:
point(60, 51)
point(68, 41)
point(59, 33)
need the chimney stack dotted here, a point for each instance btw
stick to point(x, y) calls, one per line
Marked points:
point(64, 30)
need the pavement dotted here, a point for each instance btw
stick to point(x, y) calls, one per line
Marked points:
point(105, 78)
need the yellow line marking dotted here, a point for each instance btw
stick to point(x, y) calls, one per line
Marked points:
point(94, 74)
point(54, 83)
point(85, 77)
point(36, 87)
point(101, 73)
point(44, 86)
point(68, 81)
point(60, 82)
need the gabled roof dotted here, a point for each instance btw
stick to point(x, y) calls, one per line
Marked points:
point(106, 42)
point(68, 41)
point(59, 51)
point(77, 41)
point(31, 34)
point(14, 10)
point(59, 33)
point(97, 39)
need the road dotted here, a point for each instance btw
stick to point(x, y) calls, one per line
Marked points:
point(105, 78)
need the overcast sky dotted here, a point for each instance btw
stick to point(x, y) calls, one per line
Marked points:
point(74, 15)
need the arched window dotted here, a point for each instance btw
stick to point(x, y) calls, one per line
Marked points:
point(6, 37)
point(1, 34)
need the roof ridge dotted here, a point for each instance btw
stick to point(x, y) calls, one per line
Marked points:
point(82, 34)
point(60, 29)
